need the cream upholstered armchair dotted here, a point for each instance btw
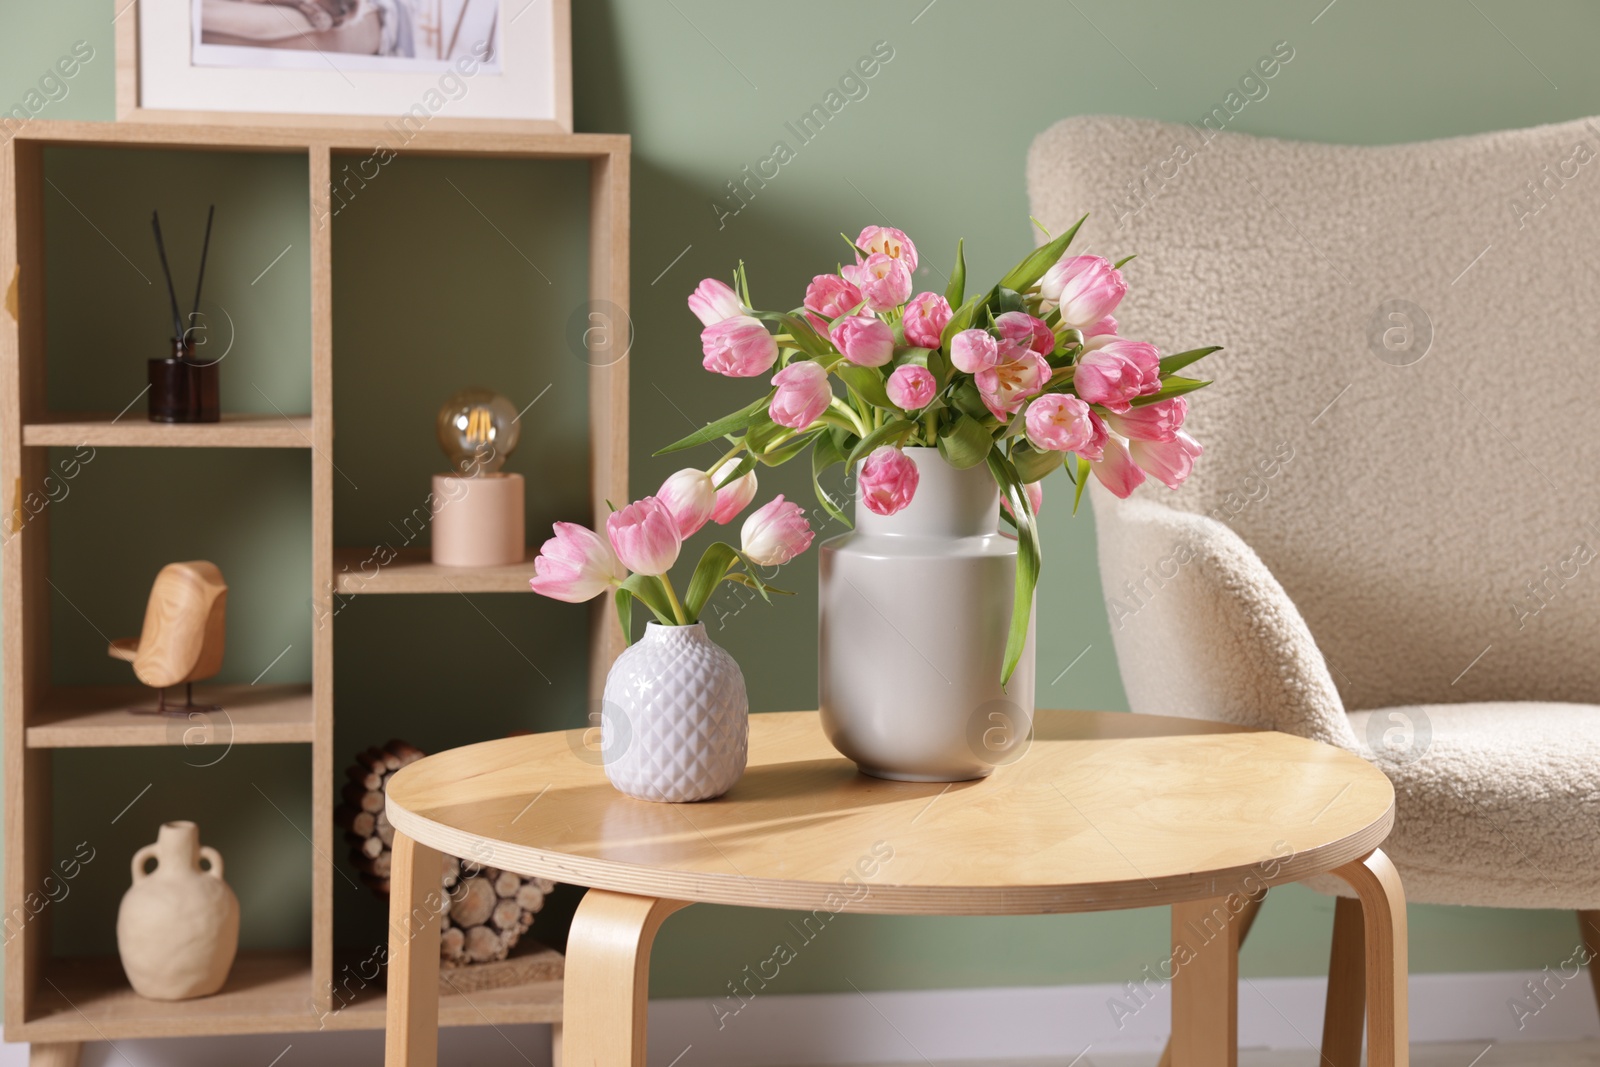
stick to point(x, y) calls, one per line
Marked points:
point(1392, 541)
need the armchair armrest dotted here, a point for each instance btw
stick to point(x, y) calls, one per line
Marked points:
point(1202, 628)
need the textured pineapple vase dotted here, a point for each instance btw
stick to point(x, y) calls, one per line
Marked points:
point(913, 610)
point(675, 723)
point(178, 926)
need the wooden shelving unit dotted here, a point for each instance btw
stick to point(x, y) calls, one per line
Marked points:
point(65, 1001)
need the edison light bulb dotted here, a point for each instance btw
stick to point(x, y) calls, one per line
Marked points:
point(477, 429)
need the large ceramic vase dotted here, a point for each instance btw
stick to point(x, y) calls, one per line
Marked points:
point(914, 611)
point(675, 723)
point(178, 926)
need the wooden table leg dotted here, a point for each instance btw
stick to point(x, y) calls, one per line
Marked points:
point(54, 1054)
point(1205, 983)
point(416, 902)
point(1383, 921)
point(608, 978)
point(1345, 1014)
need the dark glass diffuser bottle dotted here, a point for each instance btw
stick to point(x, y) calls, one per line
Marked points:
point(182, 388)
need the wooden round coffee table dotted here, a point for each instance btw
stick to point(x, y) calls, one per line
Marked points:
point(1104, 811)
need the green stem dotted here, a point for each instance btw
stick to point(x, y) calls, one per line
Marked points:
point(930, 426)
point(734, 451)
point(672, 595)
point(850, 413)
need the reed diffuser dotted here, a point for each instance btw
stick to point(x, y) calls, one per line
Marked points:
point(184, 388)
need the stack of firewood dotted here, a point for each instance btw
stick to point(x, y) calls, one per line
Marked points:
point(490, 909)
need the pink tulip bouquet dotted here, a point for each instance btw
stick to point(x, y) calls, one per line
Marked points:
point(643, 540)
point(1026, 377)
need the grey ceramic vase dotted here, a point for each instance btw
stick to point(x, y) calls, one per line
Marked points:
point(914, 609)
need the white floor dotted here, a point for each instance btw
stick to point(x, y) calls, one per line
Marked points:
point(1521, 1054)
point(356, 1049)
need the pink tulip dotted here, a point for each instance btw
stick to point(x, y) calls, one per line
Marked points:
point(691, 496)
point(865, 340)
point(912, 387)
point(1152, 422)
point(775, 533)
point(1105, 327)
point(575, 565)
point(1035, 491)
point(888, 480)
point(1085, 288)
point(645, 536)
point(735, 496)
point(1116, 470)
point(713, 302)
point(1060, 423)
point(926, 316)
point(1117, 372)
point(1019, 330)
point(973, 351)
point(803, 394)
point(831, 296)
point(739, 347)
point(885, 281)
point(1170, 462)
point(1006, 387)
point(890, 242)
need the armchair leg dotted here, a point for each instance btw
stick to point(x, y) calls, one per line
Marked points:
point(1346, 1013)
point(1589, 927)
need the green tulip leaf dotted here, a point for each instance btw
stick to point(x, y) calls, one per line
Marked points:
point(1170, 388)
point(713, 565)
point(1174, 363)
point(964, 442)
point(721, 428)
point(1082, 479)
point(1028, 558)
point(1033, 464)
point(647, 589)
point(890, 433)
point(865, 382)
point(956, 291)
point(789, 449)
point(824, 455)
point(1032, 268)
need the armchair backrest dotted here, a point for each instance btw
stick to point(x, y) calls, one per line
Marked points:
point(1403, 425)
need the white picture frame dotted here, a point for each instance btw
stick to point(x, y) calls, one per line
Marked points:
point(491, 65)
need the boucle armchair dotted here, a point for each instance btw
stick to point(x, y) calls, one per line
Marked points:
point(1390, 543)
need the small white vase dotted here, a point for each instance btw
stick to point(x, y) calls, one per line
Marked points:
point(914, 609)
point(178, 926)
point(675, 721)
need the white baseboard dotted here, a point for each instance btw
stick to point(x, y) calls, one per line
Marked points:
point(1035, 1022)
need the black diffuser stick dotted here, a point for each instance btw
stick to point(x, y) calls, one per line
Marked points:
point(204, 250)
point(172, 294)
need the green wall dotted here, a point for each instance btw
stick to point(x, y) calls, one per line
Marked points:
point(431, 299)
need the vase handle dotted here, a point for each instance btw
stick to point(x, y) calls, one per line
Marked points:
point(139, 857)
point(213, 857)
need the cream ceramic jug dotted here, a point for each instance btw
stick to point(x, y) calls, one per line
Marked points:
point(178, 926)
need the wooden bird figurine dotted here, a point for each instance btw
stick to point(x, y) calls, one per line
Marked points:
point(183, 634)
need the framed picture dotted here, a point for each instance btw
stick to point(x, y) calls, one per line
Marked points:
point(447, 64)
